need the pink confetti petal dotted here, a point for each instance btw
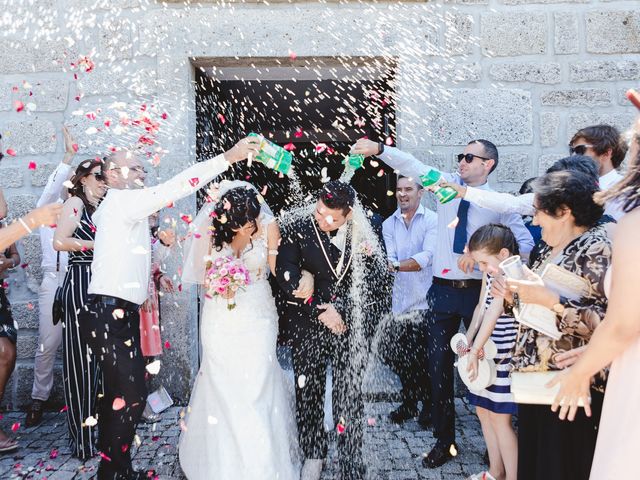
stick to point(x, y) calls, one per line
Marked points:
point(18, 105)
point(221, 118)
point(194, 181)
point(186, 218)
point(118, 403)
point(105, 457)
point(371, 422)
point(53, 454)
point(292, 55)
point(11, 152)
point(445, 271)
point(298, 133)
point(289, 147)
point(15, 427)
point(75, 147)
point(167, 345)
point(32, 165)
point(340, 428)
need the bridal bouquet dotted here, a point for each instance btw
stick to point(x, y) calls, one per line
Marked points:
point(226, 274)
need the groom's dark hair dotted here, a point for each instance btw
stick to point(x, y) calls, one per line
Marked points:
point(338, 195)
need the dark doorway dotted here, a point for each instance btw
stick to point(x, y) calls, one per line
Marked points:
point(318, 119)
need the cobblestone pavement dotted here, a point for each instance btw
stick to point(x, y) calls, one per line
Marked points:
point(392, 452)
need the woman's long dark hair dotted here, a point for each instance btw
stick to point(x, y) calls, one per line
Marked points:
point(235, 208)
point(77, 190)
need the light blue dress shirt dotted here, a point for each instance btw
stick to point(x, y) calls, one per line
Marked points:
point(445, 263)
point(416, 241)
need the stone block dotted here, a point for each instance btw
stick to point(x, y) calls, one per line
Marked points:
point(526, 72)
point(47, 95)
point(11, 177)
point(115, 40)
point(565, 33)
point(32, 254)
point(457, 34)
point(30, 137)
point(26, 314)
point(511, 34)
point(15, 56)
point(455, 72)
point(5, 97)
point(513, 168)
point(545, 161)
point(526, 2)
point(613, 31)
point(20, 204)
point(583, 97)
point(27, 343)
point(501, 115)
point(622, 121)
point(54, 56)
point(604, 70)
point(549, 126)
point(111, 81)
point(40, 175)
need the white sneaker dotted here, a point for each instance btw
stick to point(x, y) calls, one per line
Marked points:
point(312, 469)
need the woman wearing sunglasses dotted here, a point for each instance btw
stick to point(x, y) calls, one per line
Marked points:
point(75, 234)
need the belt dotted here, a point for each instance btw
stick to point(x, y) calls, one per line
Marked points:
point(114, 301)
point(467, 283)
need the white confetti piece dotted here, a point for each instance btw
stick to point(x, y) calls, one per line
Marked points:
point(90, 422)
point(118, 313)
point(154, 367)
point(91, 131)
point(454, 223)
point(212, 420)
point(302, 381)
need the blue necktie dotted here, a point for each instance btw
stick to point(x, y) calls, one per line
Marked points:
point(460, 235)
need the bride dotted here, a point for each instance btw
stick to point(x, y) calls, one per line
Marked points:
point(239, 423)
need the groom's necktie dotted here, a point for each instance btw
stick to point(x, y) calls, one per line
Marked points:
point(460, 235)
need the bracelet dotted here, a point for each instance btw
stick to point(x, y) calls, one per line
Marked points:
point(26, 227)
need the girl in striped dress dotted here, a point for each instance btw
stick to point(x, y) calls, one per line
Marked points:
point(490, 245)
point(75, 234)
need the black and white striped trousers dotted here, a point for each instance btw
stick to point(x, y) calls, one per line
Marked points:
point(81, 373)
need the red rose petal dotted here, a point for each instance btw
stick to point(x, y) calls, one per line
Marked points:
point(289, 147)
point(164, 116)
point(194, 181)
point(32, 165)
point(445, 271)
point(15, 427)
point(167, 345)
point(298, 133)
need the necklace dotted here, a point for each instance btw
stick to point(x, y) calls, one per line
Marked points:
point(326, 256)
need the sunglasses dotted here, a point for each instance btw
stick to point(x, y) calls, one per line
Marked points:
point(579, 149)
point(468, 157)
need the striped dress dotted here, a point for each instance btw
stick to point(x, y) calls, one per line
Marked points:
point(497, 398)
point(81, 373)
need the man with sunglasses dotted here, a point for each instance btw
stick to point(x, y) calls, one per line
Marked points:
point(456, 284)
point(602, 143)
point(121, 269)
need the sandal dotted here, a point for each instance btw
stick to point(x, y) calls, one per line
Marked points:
point(8, 445)
point(481, 476)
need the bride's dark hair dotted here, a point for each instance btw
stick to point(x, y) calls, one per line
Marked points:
point(235, 208)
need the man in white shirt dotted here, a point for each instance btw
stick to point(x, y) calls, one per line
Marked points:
point(410, 240)
point(54, 265)
point(110, 324)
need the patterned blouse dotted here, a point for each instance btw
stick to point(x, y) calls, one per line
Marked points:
point(588, 256)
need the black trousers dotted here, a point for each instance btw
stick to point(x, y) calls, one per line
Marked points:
point(554, 449)
point(406, 353)
point(116, 344)
point(449, 306)
point(312, 349)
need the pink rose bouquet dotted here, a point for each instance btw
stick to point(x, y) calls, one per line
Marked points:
point(226, 275)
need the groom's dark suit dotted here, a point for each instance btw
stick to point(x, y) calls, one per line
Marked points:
point(313, 344)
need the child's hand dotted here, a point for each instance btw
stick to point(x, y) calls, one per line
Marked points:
point(472, 365)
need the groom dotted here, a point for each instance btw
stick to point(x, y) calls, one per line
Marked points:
point(321, 329)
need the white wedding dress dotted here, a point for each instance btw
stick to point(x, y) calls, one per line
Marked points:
point(239, 424)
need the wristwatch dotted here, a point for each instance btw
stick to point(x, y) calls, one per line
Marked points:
point(396, 266)
point(380, 148)
point(560, 306)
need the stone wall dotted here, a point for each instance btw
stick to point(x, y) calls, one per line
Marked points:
point(523, 73)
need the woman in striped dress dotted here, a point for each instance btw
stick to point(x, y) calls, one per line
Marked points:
point(490, 245)
point(81, 376)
